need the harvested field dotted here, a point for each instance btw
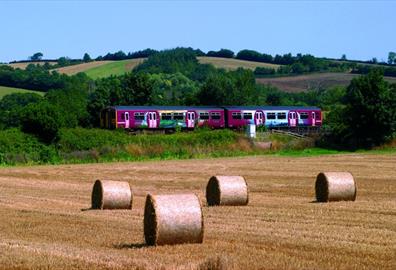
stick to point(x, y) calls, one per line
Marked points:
point(312, 81)
point(42, 224)
point(232, 64)
point(23, 65)
point(74, 69)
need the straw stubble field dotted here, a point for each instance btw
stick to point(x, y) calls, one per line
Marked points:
point(43, 224)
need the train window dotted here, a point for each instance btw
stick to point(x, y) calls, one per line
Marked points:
point(303, 115)
point(138, 116)
point(317, 116)
point(281, 115)
point(247, 115)
point(123, 116)
point(204, 116)
point(178, 116)
point(236, 115)
point(166, 116)
point(215, 116)
point(270, 115)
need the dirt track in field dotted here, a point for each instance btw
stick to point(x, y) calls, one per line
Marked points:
point(42, 224)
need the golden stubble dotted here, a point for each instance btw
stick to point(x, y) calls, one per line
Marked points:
point(44, 221)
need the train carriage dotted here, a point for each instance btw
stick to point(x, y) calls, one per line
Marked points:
point(189, 117)
point(161, 117)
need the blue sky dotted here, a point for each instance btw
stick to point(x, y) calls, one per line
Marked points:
point(360, 29)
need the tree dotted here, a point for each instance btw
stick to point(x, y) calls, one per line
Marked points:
point(368, 117)
point(392, 58)
point(11, 107)
point(36, 56)
point(343, 57)
point(87, 58)
point(43, 120)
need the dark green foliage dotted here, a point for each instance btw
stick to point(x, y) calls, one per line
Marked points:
point(251, 55)
point(369, 115)
point(224, 53)
point(170, 61)
point(43, 120)
point(229, 88)
point(36, 56)
point(263, 71)
point(34, 77)
point(87, 58)
point(11, 108)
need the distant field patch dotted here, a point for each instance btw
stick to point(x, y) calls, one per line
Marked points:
point(113, 68)
point(25, 64)
point(312, 81)
point(4, 90)
point(232, 64)
point(74, 69)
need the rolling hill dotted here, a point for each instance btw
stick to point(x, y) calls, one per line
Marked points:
point(312, 81)
point(101, 69)
point(4, 90)
point(232, 64)
point(23, 65)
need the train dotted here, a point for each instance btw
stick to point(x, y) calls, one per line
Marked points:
point(214, 117)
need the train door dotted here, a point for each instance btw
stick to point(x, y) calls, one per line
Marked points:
point(190, 119)
point(292, 119)
point(126, 119)
point(259, 118)
point(152, 119)
point(313, 115)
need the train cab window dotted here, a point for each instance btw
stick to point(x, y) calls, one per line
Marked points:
point(281, 115)
point(138, 116)
point(204, 116)
point(166, 116)
point(303, 115)
point(236, 115)
point(215, 115)
point(178, 116)
point(247, 116)
point(270, 115)
point(317, 116)
point(123, 116)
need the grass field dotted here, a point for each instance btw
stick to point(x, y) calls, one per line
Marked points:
point(312, 81)
point(4, 90)
point(43, 225)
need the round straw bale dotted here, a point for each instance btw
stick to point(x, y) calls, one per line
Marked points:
point(227, 190)
point(111, 195)
point(173, 219)
point(335, 186)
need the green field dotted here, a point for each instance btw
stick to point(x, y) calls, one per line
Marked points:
point(112, 68)
point(4, 90)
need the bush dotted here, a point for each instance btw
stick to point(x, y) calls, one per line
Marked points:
point(43, 120)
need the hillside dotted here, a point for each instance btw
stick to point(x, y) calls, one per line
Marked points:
point(312, 81)
point(101, 69)
point(9, 90)
point(23, 65)
point(231, 64)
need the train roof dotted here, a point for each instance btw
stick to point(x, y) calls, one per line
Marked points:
point(258, 107)
point(166, 107)
point(270, 108)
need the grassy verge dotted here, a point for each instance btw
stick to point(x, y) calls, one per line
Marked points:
point(94, 145)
